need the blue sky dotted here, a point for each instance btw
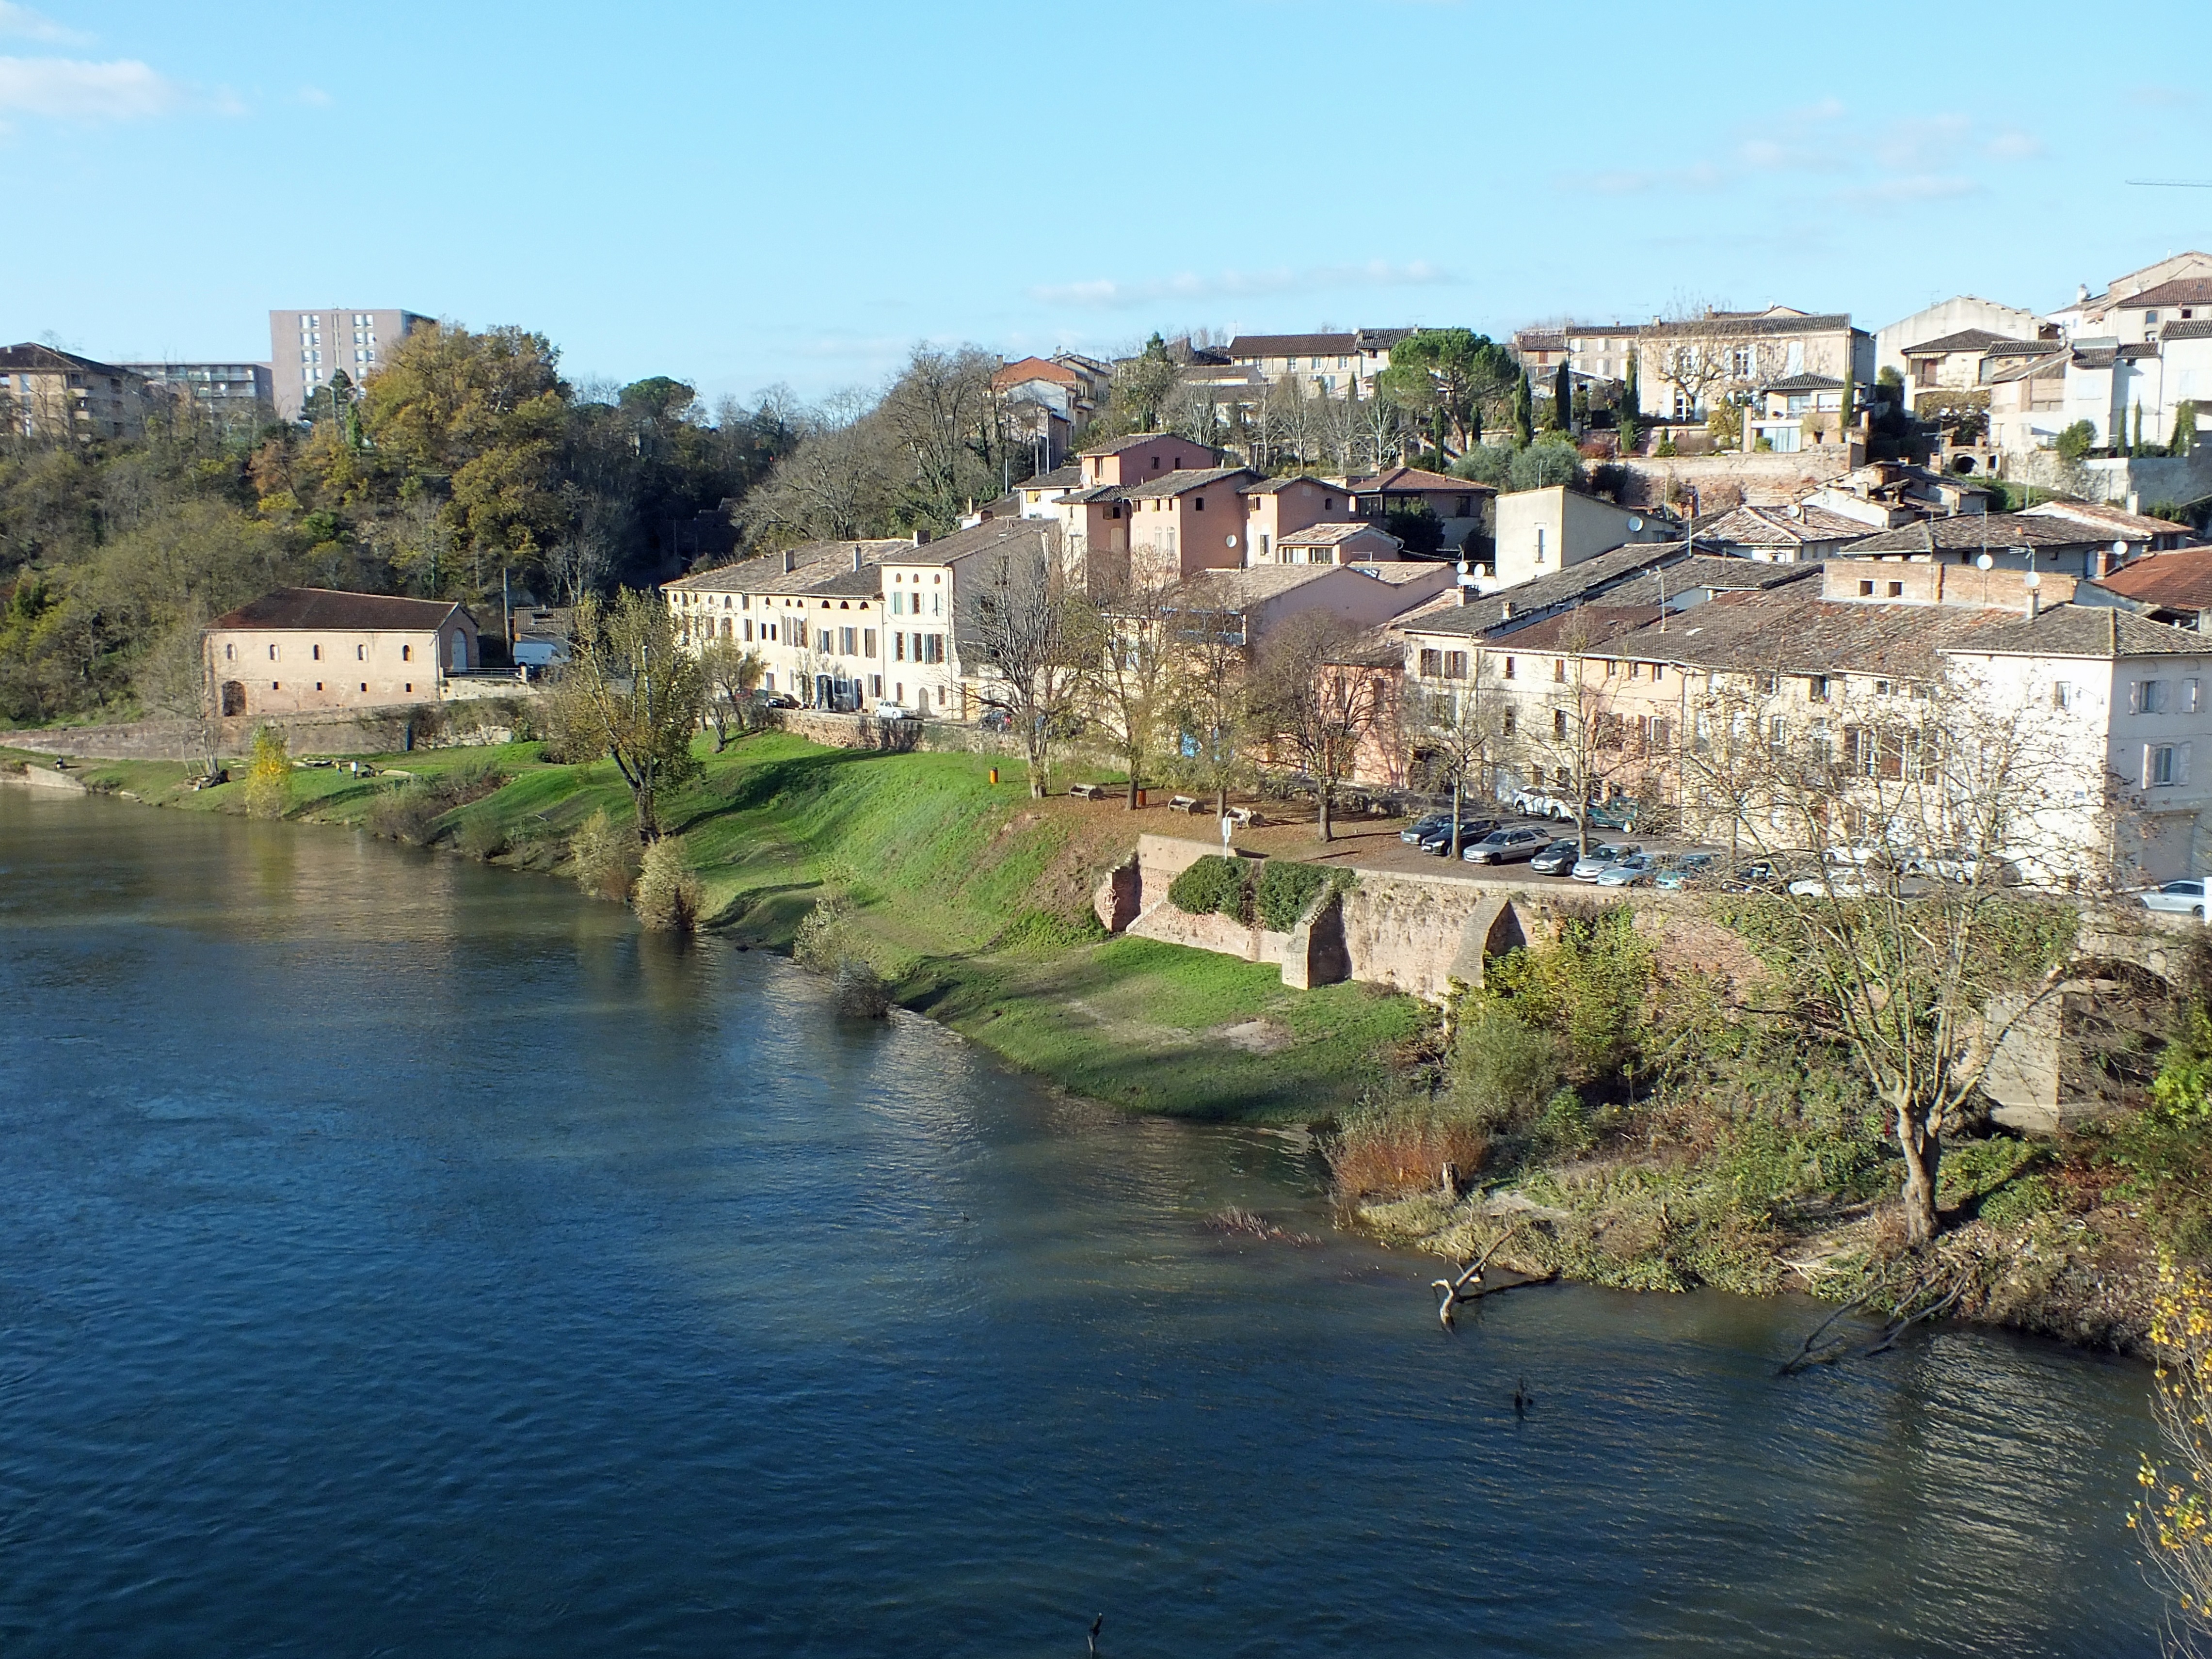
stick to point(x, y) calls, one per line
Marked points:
point(741, 195)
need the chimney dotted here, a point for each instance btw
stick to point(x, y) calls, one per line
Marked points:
point(921, 538)
point(2034, 604)
point(1506, 611)
point(856, 555)
point(2081, 293)
point(2134, 501)
point(790, 561)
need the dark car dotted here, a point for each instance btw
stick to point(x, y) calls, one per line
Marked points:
point(1556, 859)
point(1437, 842)
point(1421, 829)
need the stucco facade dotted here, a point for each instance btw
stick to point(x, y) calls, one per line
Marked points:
point(300, 650)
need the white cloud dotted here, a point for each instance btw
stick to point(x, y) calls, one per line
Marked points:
point(313, 97)
point(2012, 146)
point(1109, 294)
point(75, 89)
point(29, 25)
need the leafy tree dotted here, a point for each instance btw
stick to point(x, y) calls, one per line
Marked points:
point(1415, 523)
point(1126, 635)
point(2184, 427)
point(1024, 619)
point(2175, 1517)
point(1543, 465)
point(1490, 463)
point(2076, 442)
point(1444, 378)
point(268, 776)
point(630, 692)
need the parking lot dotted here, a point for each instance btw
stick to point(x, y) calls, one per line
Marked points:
point(1371, 842)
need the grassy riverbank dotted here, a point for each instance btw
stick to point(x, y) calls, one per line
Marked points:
point(969, 897)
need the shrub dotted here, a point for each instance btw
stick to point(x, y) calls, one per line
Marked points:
point(600, 856)
point(2020, 1200)
point(819, 944)
point(1592, 985)
point(269, 777)
point(411, 812)
point(1386, 1152)
point(1976, 1168)
point(1416, 526)
point(860, 991)
point(1545, 462)
point(1214, 885)
point(2074, 441)
point(1284, 889)
point(668, 897)
point(1504, 1070)
point(1489, 464)
point(482, 837)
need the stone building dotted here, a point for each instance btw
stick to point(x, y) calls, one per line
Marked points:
point(302, 649)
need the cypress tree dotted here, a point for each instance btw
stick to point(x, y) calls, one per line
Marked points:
point(2135, 449)
point(1524, 412)
point(1563, 398)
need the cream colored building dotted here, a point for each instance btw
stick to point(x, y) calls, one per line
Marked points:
point(51, 395)
point(813, 614)
point(305, 648)
point(1543, 530)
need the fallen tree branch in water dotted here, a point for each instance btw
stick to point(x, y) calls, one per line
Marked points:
point(1456, 1290)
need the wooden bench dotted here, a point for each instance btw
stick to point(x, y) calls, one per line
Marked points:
point(1182, 804)
point(1085, 790)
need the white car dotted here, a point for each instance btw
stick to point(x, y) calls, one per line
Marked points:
point(893, 711)
point(1631, 871)
point(2177, 898)
point(1536, 804)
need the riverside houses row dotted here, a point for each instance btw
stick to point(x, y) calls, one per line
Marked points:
point(1629, 689)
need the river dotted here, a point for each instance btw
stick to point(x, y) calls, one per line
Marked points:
point(398, 1255)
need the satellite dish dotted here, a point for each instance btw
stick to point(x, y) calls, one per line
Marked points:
point(1984, 562)
point(2030, 581)
point(1635, 524)
point(2119, 550)
point(1230, 542)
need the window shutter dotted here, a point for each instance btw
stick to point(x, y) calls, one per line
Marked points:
point(2143, 777)
point(2181, 765)
point(2135, 697)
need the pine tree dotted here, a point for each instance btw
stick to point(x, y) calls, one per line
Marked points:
point(1524, 412)
point(1563, 398)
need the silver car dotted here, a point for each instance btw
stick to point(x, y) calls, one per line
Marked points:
point(1601, 858)
point(1505, 846)
point(2180, 898)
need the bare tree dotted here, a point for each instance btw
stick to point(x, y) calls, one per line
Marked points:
point(1208, 694)
point(731, 672)
point(1575, 737)
point(1021, 625)
point(1903, 938)
point(1126, 636)
point(1317, 698)
point(1459, 733)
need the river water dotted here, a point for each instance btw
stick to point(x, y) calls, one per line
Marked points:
point(402, 1256)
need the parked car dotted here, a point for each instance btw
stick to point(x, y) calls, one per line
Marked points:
point(1557, 859)
point(995, 719)
point(1691, 870)
point(1504, 847)
point(1601, 858)
point(1635, 870)
point(1532, 803)
point(1470, 831)
point(1968, 868)
point(774, 700)
point(1421, 829)
point(887, 710)
point(1619, 814)
point(2179, 898)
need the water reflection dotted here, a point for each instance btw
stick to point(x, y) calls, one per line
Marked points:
point(395, 1246)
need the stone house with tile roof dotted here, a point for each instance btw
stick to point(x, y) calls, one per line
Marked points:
point(299, 649)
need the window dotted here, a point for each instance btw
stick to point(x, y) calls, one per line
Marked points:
point(230, 653)
point(1455, 665)
point(1507, 724)
point(1511, 668)
point(361, 653)
point(1882, 688)
point(1766, 685)
point(898, 647)
point(935, 642)
point(2161, 766)
point(2064, 694)
point(1897, 590)
point(272, 653)
point(867, 641)
point(1611, 668)
point(822, 642)
point(407, 653)
point(899, 602)
point(1866, 590)
point(1539, 545)
point(2146, 697)
point(1198, 503)
point(2189, 696)
point(1816, 688)
point(1432, 664)
point(315, 652)
point(1560, 724)
point(1778, 733)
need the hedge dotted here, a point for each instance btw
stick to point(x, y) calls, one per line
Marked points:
point(1212, 885)
point(1287, 887)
